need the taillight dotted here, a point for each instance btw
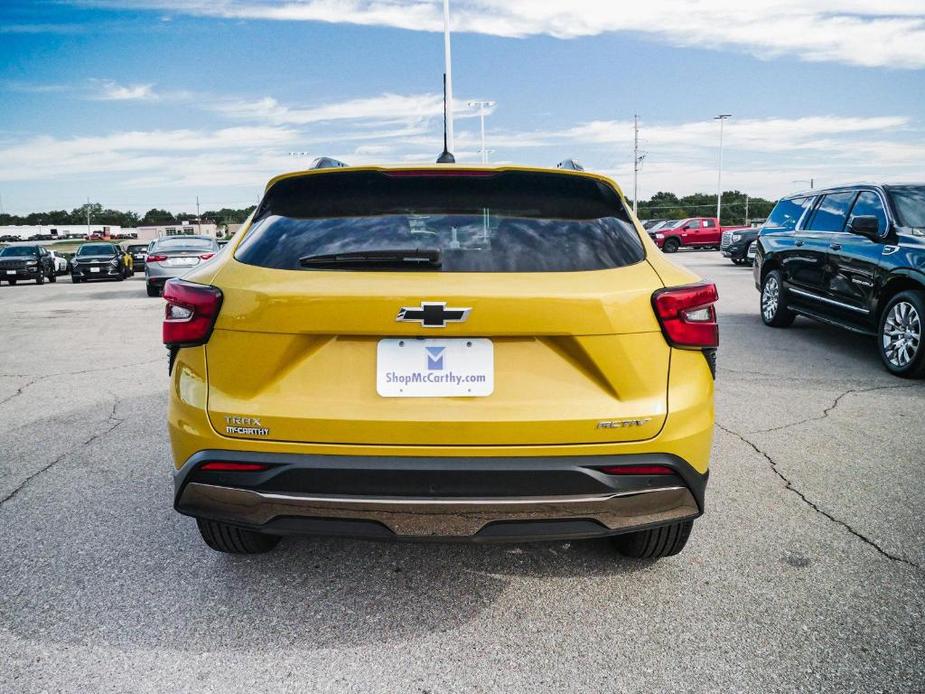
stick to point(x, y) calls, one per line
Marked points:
point(687, 315)
point(222, 466)
point(190, 314)
point(636, 470)
point(155, 258)
point(206, 256)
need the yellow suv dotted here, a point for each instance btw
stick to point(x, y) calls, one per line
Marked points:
point(441, 352)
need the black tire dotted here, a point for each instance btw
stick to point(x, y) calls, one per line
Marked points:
point(12, 283)
point(75, 280)
point(53, 277)
point(654, 543)
point(153, 290)
point(901, 350)
point(773, 307)
point(227, 538)
point(41, 278)
point(671, 245)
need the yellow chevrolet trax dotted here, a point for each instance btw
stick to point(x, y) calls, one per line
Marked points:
point(441, 352)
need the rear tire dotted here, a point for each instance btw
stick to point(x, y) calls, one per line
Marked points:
point(228, 538)
point(773, 306)
point(900, 335)
point(671, 245)
point(53, 277)
point(654, 543)
point(152, 290)
point(75, 280)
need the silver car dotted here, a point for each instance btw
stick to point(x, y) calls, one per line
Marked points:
point(174, 256)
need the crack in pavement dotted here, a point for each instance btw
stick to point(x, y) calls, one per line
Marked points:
point(98, 435)
point(815, 507)
point(38, 379)
point(828, 410)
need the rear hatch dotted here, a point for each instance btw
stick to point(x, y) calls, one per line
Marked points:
point(181, 253)
point(439, 307)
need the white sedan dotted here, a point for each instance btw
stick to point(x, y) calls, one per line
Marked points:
point(61, 264)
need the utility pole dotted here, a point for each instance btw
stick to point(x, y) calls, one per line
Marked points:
point(88, 217)
point(746, 210)
point(448, 60)
point(719, 179)
point(635, 161)
point(198, 218)
point(482, 105)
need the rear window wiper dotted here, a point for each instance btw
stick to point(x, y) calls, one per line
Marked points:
point(395, 258)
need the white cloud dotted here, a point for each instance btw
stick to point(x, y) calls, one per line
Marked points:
point(111, 91)
point(889, 33)
point(382, 108)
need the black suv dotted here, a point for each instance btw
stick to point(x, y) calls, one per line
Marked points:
point(27, 263)
point(852, 256)
point(734, 244)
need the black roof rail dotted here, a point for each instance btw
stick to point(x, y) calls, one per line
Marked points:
point(327, 163)
point(570, 164)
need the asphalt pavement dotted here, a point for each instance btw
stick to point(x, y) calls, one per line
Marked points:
point(806, 573)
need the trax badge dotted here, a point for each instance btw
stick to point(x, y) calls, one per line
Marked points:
point(248, 426)
point(432, 314)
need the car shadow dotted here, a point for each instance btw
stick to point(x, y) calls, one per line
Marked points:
point(95, 554)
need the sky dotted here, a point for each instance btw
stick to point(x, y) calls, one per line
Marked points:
point(150, 103)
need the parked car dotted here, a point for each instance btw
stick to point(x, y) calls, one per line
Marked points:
point(26, 262)
point(655, 228)
point(99, 261)
point(139, 252)
point(174, 256)
point(412, 354)
point(61, 263)
point(693, 232)
point(852, 256)
point(649, 223)
point(735, 244)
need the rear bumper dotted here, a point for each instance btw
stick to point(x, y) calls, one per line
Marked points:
point(476, 499)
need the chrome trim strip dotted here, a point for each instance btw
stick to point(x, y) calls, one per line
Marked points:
point(441, 517)
point(810, 295)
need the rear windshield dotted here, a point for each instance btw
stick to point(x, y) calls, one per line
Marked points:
point(180, 243)
point(501, 222)
point(19, 251)
point(96, 249)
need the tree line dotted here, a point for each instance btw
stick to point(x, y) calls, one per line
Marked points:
point(669, 206)
point(662, 205)
point(101, 215)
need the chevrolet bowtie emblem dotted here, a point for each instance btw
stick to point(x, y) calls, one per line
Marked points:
point(432, 314)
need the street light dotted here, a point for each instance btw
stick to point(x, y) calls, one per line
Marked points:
point(482, 105)
point(719, 179)
point(805, 180)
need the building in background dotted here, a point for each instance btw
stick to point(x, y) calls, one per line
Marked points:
point(55, 232)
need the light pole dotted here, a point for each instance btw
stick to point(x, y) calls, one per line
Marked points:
point(719, 179)
point(805, 180)
point(637, 160)
point(482, 105)
point(448, 60)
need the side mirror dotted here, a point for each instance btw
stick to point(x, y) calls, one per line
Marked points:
point(865, 225)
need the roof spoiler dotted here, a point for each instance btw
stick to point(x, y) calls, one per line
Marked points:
point(327, 163)
point(570, 164)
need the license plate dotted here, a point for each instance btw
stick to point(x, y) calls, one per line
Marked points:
point(433, 368)
point(180, 262)
point(11, 272)
point(94, 269)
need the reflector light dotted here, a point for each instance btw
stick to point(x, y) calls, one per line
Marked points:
point(637, 470)
point(155, 258)
point(206, 256)
point(233, 467)
point(687, 315)
point(190, 313)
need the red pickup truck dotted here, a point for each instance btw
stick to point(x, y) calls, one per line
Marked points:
point(696, 232)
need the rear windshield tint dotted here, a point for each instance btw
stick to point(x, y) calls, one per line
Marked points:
point(179, 243)
point(502, 222)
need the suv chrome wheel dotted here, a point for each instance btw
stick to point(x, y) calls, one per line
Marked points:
point(770, 298)
point(902, 334)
